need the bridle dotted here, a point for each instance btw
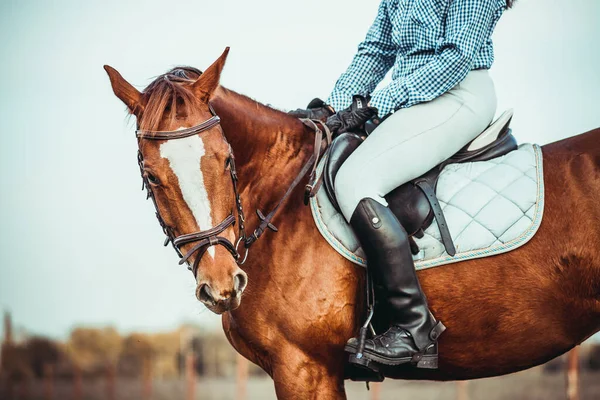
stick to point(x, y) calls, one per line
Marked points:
point(210, 237)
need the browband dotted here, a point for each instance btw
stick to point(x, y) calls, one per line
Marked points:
point(166, 135)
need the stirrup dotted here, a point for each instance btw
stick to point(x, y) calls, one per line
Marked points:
point(359, 358)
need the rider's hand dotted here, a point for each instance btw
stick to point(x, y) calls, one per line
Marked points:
point(352, 118)
point(316, 109)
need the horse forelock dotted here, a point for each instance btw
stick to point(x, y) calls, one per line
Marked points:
point(168, 94)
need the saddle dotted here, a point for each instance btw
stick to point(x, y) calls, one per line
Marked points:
point(415, 203)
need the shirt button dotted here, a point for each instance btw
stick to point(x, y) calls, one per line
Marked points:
point(375, 220)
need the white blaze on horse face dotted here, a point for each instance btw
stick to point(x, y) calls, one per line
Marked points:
point(184, 157)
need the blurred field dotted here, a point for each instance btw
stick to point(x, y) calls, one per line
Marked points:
point(189, 363)
point(534, 384)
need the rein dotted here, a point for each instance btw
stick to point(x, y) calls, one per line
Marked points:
point(210, 237)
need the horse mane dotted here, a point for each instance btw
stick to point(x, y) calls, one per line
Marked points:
point(171, 91)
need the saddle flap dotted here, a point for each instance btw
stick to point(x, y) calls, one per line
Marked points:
point(408, 202)
point(341, 148)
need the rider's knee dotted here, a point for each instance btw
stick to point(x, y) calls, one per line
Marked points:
point(349, 187)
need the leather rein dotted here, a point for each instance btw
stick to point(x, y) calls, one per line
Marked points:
point(210, 237)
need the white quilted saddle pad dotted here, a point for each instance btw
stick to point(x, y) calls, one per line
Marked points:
point(491, 207)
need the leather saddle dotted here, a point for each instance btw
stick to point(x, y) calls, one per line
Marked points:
point(415, 203)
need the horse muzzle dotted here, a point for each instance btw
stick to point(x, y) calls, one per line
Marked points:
point(218, 300)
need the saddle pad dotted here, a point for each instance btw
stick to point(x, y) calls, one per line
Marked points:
point(491, 207)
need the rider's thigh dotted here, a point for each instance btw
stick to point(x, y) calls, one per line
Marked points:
point(413, 140)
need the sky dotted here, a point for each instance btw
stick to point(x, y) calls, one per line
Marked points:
point(80, 245)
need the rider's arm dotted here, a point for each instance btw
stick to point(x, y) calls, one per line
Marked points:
point(469, 24)
point(375, 56)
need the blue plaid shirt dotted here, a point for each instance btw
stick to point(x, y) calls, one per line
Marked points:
point(431, 45)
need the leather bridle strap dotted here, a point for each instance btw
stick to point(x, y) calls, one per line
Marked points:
point(311, 164)
point(206, 239)
point(265, 222)
point(182, 133)
point(210, 237)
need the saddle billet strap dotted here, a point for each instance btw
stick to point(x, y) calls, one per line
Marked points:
point(314, 181)
point(439, 216)
point(318, 182)
point(318, 146)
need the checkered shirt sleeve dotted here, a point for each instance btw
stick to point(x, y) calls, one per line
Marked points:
point(419, 74)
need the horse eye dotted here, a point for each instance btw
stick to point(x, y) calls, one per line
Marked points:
point(152, 179)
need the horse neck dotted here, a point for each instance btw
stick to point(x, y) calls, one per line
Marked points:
point(270, 146)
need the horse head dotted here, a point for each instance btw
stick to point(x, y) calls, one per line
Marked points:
point(188, 168)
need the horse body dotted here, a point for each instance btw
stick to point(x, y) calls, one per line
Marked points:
point(511, 311)
point(303, 300)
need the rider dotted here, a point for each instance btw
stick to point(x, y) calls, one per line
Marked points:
point(440, 98)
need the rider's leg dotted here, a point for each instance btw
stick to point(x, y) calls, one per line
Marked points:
point(403, 147)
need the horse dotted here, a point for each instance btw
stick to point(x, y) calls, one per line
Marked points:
point(296, 301)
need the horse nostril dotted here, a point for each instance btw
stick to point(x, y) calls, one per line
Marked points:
point(204, 294)
point(239, 282)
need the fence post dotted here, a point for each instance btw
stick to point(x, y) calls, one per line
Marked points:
point(48, 382)
point(573, 374)
point(6, 383)
point(375, 390)
point(190, 376)
point(24, 388)
point(77, 384)
point(147, 378)
point(110, 380)
point(462, 390)
point(242, 377)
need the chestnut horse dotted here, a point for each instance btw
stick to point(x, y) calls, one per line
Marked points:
point(302, 301)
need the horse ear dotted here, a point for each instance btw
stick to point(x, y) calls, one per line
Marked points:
point(208, 82)
point(125, 91)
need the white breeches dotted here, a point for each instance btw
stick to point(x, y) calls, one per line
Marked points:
point(413, 140)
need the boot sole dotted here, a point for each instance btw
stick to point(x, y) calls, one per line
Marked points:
point(428, 361)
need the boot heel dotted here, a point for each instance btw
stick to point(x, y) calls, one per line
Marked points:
point(363, 362)
point(430, 362)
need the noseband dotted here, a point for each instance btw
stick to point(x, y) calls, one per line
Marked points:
point(210, 237)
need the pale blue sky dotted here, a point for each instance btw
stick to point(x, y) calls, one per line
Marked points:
point(79, 244)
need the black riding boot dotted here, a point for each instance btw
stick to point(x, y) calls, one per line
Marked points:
point(412, 336)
